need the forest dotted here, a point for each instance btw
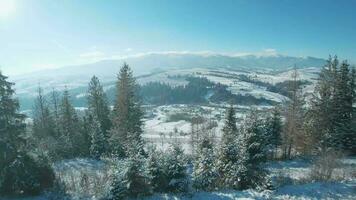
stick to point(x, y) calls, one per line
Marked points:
point(322, 127)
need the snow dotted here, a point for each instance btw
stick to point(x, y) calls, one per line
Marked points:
point(294, 169)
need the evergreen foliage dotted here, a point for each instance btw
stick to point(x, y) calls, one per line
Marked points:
point(204, 173)
point(98, 106)
point(127, 116)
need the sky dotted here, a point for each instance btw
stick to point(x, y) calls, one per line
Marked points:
point(40, 34)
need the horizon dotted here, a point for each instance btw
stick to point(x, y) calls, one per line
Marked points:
point(45, 34)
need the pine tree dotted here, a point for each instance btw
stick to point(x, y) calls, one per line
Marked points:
point(273, 131)
point(331, 113)
point(97, 147)
point(11, 121)
point(127, 123)
point(19, 173)
point(252, 154)
point(204, 172)
point(156, 171)
point(98, 106)
point(227, 163)
point(343, 105)
point(43, 128)
point(321, 115)
point(175, 169)
point(69, 127)
point(133, 182)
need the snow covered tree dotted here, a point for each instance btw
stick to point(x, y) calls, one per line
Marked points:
point(69, 127)
point(273, 130)
point(132, 182)
point(227, 159)
point(204, 172)
point(252, 154)
point(98, 141)
point(127, 120)
point(98, 106)
point(156, 171)
point(331, 114)
point(175, 169)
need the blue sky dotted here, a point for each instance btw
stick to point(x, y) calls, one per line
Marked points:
point(38, 34)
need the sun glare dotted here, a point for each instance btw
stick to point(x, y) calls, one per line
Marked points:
point(7, 8)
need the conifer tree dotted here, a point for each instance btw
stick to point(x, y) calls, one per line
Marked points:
point(227, 163)
point(98, 106)
point(19, 173)
point(127, 121)
point(133, 182)
point(156, 172)
point(97, 146)
point(175, 169)
point(252, 154)
point(69, 127)
point(204, 172)
point(273, 131)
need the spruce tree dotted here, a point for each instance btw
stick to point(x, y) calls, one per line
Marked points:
point(273, 130)
point(127, 121)
point(98, 141)
point(227, 163)
point(133, 182)
point(156, 171)
point(175, 169)
point(11, 121)
point(19, 172)
point(98, 106)
point(204, 172)
point(252, 154)
point(69, 127)
point(344, 108)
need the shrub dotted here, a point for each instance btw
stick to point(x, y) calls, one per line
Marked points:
point(25, 176)
point(325, 165)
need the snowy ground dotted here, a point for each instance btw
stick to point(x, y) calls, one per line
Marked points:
point(163, 127)
point(294, 189)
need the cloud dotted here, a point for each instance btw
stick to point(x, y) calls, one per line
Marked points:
point(128, 50)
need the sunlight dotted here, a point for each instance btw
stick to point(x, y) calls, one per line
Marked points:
point(7, 8)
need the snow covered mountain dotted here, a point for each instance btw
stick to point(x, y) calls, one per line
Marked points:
point(151, 67)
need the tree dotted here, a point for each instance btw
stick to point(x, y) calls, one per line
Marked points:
point(273, 131)
point(19, 173)
point(227, 163)
point(204, 172)
point(127, 122)
point(252, 154)
point(43, 123)
point(98, 106)
point(175, 169)
point(133, 182)
point(69, 127)
point(293, 135)
point(156, 171)
point(344, 135)
point(98, 142)
point(11, 121)
point(331, 114)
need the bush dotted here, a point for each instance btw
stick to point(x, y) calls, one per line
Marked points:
point(325, 165)
point(25, 176)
